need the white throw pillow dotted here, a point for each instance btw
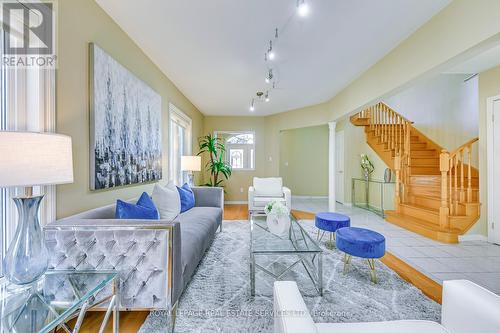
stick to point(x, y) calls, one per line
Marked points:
point(268, 187)
point(167, 200)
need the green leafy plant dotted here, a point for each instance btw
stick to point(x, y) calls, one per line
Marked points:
point(366, 165)
point(216, 165)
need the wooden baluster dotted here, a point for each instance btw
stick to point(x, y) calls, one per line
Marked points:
point(444, 211)
point(393, 132)
point(371, 118)
point(383, 123)
point(455, 199)
point(462, 192)
point(400, 134)
point(469, 174)
point(408, 149)
point(450, 188)
point(397, 169)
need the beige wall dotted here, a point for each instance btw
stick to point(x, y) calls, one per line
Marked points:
point(444, 108)
point(304, 160)
point(489, 86)
point(81, 22)
point(237, 186)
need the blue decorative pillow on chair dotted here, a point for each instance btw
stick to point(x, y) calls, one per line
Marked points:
point(187, 197)
point(144, 209)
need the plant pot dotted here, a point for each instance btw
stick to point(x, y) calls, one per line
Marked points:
point(278, 225)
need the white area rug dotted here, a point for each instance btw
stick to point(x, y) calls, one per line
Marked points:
point(218, 297)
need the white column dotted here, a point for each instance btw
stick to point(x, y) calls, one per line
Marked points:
point(331, 166)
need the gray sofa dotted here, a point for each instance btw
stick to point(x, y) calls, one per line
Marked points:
point(156, 259)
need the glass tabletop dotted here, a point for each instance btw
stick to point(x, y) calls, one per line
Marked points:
point(47, 303)
point(297, 240)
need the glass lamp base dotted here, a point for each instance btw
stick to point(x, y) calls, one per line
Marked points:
point(27, 257)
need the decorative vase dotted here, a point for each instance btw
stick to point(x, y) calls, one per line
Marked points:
point(278, 224)
point(27, 257)
point(387, 175)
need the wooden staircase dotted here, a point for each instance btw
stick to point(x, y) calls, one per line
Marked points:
point(437, 192)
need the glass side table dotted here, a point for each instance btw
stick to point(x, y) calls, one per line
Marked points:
point(56, 298)
point(298, 244)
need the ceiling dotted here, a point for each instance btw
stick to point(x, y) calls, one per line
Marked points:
point(478, 63)
point(213, 51)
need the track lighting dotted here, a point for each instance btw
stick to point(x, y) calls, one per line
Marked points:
point(269, 76)
point(270, 53)
point(302, 8)
point(252, 107)
point(266, 98)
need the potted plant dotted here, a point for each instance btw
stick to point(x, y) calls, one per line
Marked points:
point(367, 166)
point(216, 164)
point(278, 218)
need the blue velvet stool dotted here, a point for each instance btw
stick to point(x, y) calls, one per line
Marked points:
point(330, 222)
point(361, 243)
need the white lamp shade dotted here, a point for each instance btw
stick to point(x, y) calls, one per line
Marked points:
point(30, 159)
point(191, 163)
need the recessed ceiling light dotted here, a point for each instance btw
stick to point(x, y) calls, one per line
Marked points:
point(271, 55)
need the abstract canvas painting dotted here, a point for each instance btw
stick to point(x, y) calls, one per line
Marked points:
point(125, 125)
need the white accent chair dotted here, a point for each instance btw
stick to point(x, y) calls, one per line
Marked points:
point(466, 308)
point(265, 190)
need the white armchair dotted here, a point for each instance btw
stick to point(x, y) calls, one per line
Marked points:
point(466, 308)
point(265, 190)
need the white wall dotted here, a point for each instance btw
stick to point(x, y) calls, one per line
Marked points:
point(445, 108)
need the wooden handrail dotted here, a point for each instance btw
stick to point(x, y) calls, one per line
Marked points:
point(465, 145)
point(456, 180)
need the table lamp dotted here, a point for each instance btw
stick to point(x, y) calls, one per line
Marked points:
point(30, 159)
point(190, 164)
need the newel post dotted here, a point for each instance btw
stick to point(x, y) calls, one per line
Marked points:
point(444, 210)
point(397, 169)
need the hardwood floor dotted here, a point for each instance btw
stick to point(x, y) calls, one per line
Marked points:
point(132, 321)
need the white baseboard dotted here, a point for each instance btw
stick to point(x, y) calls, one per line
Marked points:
point(347, 204)
point(309, 197)
point(472, 237)
point(235, 202)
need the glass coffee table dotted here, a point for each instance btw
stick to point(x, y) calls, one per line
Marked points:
point(56, 298)
point(296, 244)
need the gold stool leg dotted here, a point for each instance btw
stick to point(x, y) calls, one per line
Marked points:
point(347, 262)
point(330, 245)
point(373, 274)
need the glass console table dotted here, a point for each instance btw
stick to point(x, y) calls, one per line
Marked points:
point(374, 195)
point(56, 298)
point(297, 245)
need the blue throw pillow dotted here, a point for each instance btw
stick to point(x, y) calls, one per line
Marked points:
point(187, 197)
point(144, 209)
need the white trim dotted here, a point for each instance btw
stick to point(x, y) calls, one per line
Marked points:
point(331, 166)
point(175, 115)
point(472, 237)
point(489, 164)
point(347, 204)
point(312, 197)
point(235, 202)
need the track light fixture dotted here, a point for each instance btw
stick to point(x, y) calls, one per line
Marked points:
point(302, 8)
point(269, 76)
point(270, 53)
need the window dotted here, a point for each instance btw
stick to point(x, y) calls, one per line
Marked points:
point(180, 143)
point(27, 103)
point(240, 149)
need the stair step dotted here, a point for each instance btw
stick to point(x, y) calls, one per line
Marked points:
point(424, 153)
point(434, 161)
point(418, 145)
point(422, 227)
point(421, 212)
